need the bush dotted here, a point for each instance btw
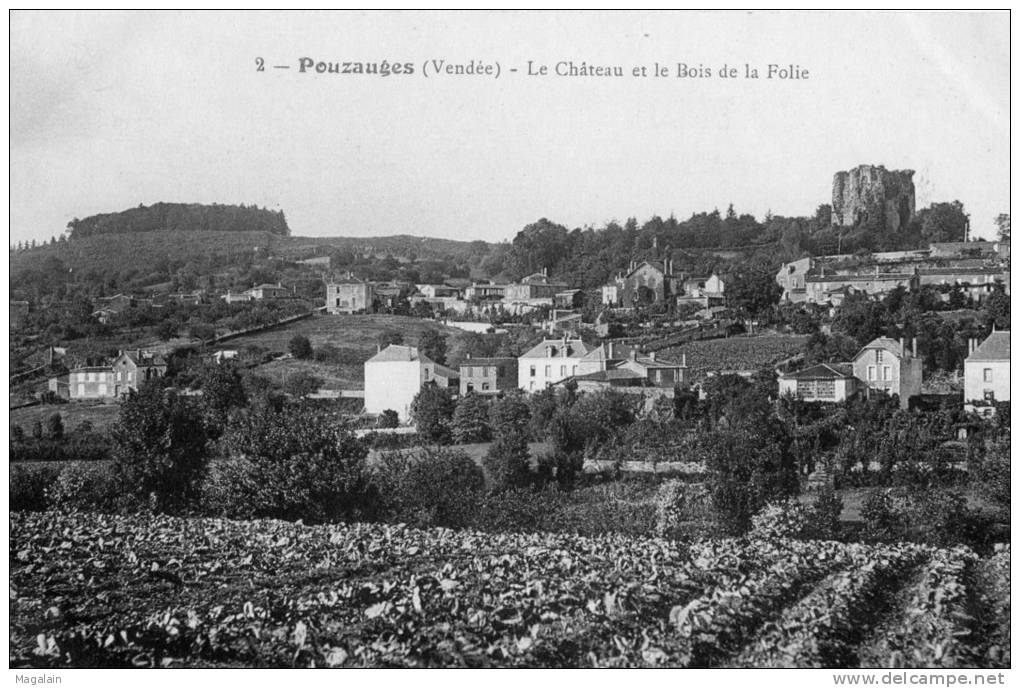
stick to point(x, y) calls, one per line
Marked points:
point(30, 485)
point(290, 464)
point(160, 447)
point(432, 410)
point(470, 422)
point(87, 486)
point(300, 347)
point(683, 510)
point(388, 419)
point(508, 462)
point(791, 519)
point(429, 487)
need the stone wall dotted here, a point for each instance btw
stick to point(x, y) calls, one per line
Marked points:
point(873, 194)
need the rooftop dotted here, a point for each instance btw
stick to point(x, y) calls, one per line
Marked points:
point(821, 371)
point(995, 348)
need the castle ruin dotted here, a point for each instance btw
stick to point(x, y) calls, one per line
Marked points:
point(871, 194)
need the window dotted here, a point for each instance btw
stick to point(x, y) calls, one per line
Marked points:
point(987, 375)
point(548, 371)
point(426, 373)
point(878, 356)
point(871, 372)
point(531, 385)
point(81, 388)
point(81, 377)
point(102, 389)
point(826, 389)
point(563, 371)
point(485, 386)
point(989, 395)
point(92, 377)
point(499, 371)
point(806, 388)
point(470, 388)
point(886, 373)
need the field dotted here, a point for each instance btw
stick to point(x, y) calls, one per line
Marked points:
point(736, 353)
point(357, 335)
point(92, 590)
point(102, 416)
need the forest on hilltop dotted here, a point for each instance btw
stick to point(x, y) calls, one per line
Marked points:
point(180, 217)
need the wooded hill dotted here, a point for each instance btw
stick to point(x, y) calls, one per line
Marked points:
point(181, 216)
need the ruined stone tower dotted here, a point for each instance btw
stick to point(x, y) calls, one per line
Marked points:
point(871, 193)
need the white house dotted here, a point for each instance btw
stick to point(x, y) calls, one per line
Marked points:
point(549, 362)
point(395, 375)
point(986, 374)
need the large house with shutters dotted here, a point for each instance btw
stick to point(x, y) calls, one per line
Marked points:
point(487, 376)
point(549, 362)
point(126, 374)
point(644, 283)
point(986, 374)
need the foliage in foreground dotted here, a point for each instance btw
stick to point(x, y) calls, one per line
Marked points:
point(92, 590)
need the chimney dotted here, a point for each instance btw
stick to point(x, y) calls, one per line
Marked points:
point(545, 272)
point(683, 360)
point(903, 345)
point(378, 348)
point(651, 355)
point(609, 350)
point(468, 355)
point(913, 346)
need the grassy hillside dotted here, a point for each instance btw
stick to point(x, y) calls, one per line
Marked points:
point(355, 335)
point(89, 590)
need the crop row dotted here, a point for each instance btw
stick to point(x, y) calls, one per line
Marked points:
point(91, 590)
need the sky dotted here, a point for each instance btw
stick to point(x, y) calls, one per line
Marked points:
point(113, 110)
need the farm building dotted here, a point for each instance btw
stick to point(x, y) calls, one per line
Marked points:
point(827, 382)
point(127, 372)
point(615, 365)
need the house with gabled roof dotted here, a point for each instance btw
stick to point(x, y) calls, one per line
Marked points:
point(549, 362)
point(645, 282)
point(986, 374)
point(616, 365)
point(395, 375)
point(888, 366)
point(828, 382)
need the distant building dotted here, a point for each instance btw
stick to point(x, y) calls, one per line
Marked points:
point(485, 292)
point(317, 261)
point(395, 375)
point(699, 287)
point(616, 365)
point(127, 373)
point(488, 376)
point(349, 295)
point(825, 382)
point(965, 249)
point(549, 362)
point(986, 374)
point(268, 292)
point(976, 282)
point(570, 298)
point(820, 287)
point(887, 366)
point(534, 287)
point(437, 291)
point(646, 283)
point(243, 297)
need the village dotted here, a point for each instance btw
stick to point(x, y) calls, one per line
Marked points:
point(396, 374)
